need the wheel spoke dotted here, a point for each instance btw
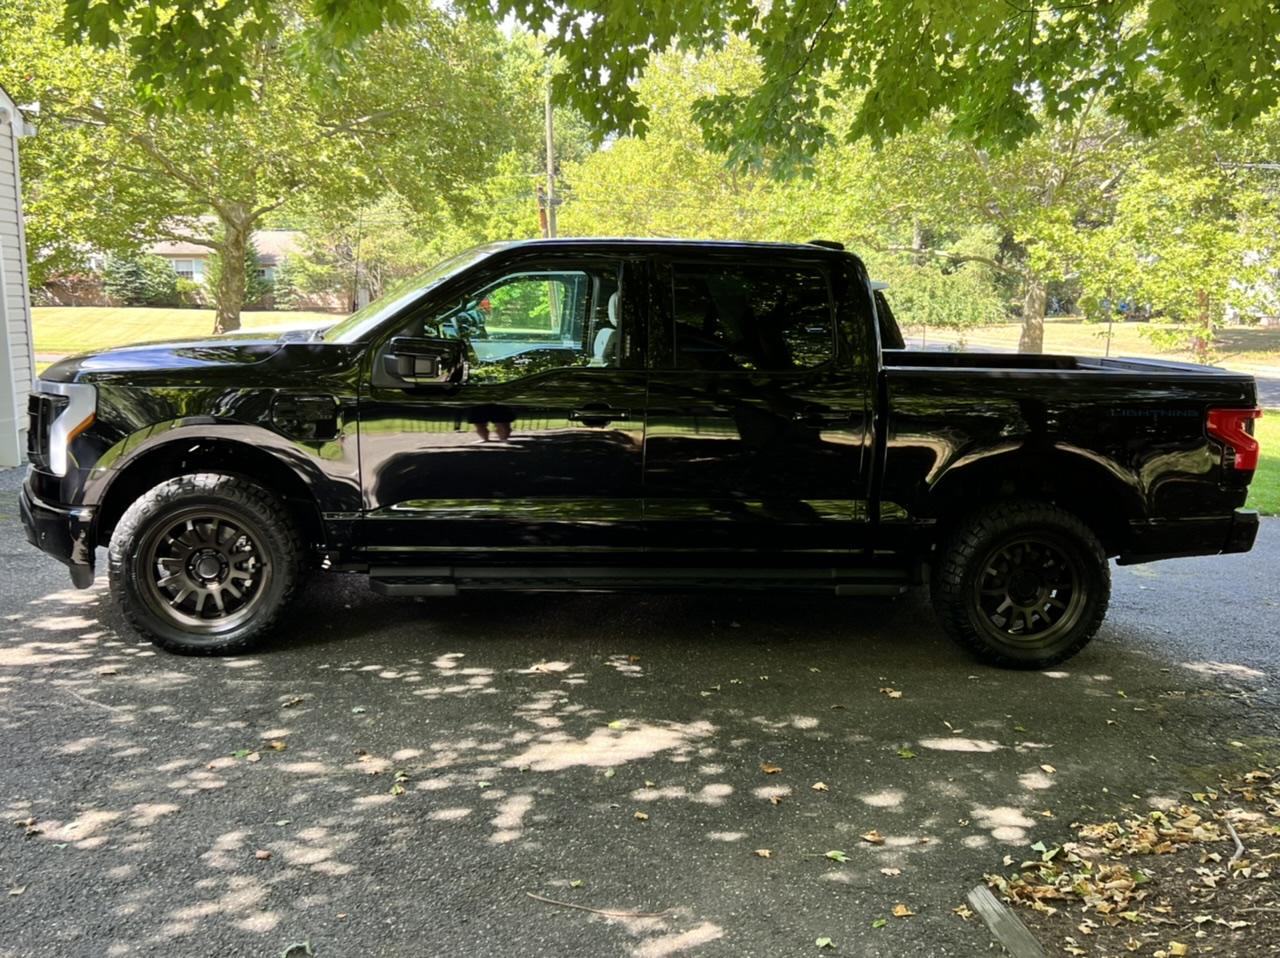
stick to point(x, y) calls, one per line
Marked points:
point(173, 579)
point(177, 600)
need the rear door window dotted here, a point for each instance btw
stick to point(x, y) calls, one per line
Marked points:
point(752, 318)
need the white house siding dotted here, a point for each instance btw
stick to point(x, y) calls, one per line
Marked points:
point(17, 361)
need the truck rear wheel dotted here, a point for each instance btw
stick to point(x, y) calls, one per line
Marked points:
point(1022, 584)
point(204, 564)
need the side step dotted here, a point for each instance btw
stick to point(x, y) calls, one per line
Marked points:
point(449, 580)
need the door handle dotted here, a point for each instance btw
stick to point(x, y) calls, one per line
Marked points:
point(599, 415)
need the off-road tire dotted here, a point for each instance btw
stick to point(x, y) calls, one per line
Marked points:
point(247, 506)
point(967, 561)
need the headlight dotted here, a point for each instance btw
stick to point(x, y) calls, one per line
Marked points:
point(66, 419)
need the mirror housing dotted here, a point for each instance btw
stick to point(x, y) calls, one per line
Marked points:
point(417, 361)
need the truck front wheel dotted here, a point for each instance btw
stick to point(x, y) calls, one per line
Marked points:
point(1022, 584)
point(204, 564)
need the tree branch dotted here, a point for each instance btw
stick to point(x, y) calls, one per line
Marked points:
point(953, 257)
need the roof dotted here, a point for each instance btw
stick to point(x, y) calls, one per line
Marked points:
point(11, 113)
point(660, 241)
point(273, 246)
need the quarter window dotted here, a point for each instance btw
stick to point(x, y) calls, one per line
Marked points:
point(751, 318)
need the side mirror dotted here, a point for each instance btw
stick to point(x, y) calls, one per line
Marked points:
point(413, 361)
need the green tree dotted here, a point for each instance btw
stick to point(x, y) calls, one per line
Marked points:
point(413, 114)
point(1192, 239)
point(140, 280)
point(996, 69)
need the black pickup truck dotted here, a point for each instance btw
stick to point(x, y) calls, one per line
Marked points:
point(631, 414)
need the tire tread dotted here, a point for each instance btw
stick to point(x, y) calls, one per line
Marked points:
point(964, 546)
point(259, 502)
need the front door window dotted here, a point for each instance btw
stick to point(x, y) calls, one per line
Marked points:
point(532, 322)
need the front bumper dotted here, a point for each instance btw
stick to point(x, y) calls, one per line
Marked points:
point(64, 533)
point(1173, 538)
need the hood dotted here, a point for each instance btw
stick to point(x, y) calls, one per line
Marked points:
point(227, 350)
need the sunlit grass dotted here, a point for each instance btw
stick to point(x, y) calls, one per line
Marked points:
point(1264, 491)
point(67, 330)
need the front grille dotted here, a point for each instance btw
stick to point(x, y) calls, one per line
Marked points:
point(42, 409)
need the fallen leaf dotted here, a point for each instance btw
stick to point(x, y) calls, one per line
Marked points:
point(290, 703)
point(763, 853)
point(902, 911)
point(1048, 769)
point(820, 787)
point(341, 916)
point(262, 855)
point(963, 911)
point(770, 769)
point(905, 753)
point(617, 724)
point(880, 923)
point(17, 890)
point(241, 752)
point(396, 789)
point(610, 772)
point(253, 757)
point(873, 836)
point(108, 670)
point(1177, 948)
point(837, 856)
point(824, 942)
point(775, 799)
point(633, 659)
point(648, 784)
point(359, 710)
point(641, 817)
point(814, 668)
point(576, 883)
point(277, 745)
point(892, 693)
point(891, 872)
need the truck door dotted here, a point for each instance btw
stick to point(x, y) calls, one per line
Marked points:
point(539, 449)
point(757, 432)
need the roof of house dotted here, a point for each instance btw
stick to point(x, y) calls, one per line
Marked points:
point(273, 246)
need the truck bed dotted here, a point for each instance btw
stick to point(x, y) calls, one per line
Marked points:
point(998, 363)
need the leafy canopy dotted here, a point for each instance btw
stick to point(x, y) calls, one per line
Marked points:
point(996, 68)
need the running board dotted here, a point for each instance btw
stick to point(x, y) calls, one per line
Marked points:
point(449, 580)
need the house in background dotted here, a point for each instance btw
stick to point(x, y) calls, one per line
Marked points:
point(17, 359)
point(191, 260)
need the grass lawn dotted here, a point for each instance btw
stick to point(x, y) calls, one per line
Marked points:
point(65, 330)
point(1264, 491)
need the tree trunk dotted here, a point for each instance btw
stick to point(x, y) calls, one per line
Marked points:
point(1033, 307)
point(917, 241)
point(229, 294)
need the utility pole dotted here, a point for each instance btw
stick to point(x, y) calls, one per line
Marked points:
point(551, 198)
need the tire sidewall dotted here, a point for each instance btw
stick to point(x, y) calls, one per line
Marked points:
point(129, 562)
point(955, 595)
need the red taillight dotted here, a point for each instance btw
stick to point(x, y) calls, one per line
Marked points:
point(1231, 426)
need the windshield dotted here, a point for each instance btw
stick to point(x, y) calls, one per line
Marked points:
point(363, 321)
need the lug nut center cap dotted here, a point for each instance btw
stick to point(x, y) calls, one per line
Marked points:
point(208, 566)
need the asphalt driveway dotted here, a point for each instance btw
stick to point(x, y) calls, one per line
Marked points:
point(394, 777)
